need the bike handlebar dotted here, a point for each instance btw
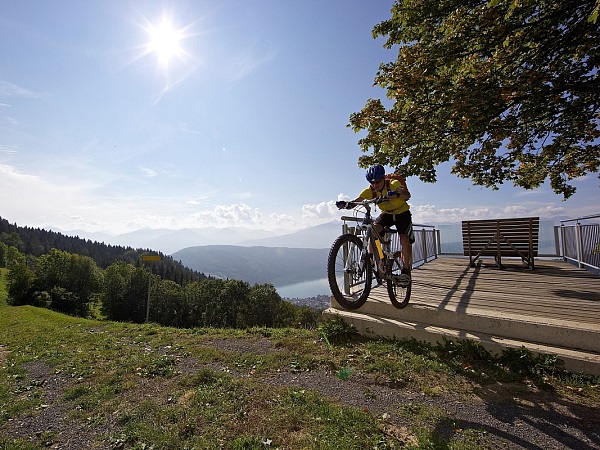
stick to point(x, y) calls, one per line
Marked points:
point(376, 200)
point(366, 204)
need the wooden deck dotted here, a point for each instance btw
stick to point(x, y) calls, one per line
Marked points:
point(555, 290)
point(554, 309)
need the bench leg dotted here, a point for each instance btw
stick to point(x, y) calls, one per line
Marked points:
point(528, 262)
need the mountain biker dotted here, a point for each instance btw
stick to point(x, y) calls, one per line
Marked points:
point(394, 211)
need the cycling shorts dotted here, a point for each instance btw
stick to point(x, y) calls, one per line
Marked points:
point(402, 222)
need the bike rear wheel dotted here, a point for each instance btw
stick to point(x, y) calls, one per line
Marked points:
point(398, 292)
point(348, 275)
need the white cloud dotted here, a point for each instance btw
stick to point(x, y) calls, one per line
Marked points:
point(239, 214)
point(285, 221)
point(150, 173)
point(13, 173)
point(184, 128)
point(7, 150)
point(12, 120)
point(322, 210)
point(430, 213)
point(249, 59)
point(73, 217)
point(280, 217)
point(548, 211)
point(515, 210)
point(12, 90)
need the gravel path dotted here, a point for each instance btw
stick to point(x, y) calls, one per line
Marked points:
point(511, 425)
point(536, 420)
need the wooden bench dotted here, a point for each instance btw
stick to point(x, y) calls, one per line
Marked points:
point(516, 237)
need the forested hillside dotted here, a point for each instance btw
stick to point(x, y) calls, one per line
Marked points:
point(83, 278)
point(37, 242)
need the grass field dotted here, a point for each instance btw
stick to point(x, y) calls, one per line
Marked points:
point(79, 383)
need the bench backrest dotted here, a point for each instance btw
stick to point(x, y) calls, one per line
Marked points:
point(520, 232)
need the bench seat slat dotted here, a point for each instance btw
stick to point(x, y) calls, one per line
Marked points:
point(517, 237)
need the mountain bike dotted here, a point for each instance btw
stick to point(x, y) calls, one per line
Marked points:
point(355, 259)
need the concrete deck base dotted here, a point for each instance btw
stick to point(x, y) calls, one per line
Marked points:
point(577, 345)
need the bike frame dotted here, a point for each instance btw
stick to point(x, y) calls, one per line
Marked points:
point(372, 242)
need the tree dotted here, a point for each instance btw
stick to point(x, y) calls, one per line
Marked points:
point(260, 307)
point(505, 90)
point(70, 279)
point(20, 281)
point(233, 293)
point(11, 255)
point(193, 294)
point(12, 239)
point(167, 306)
point(125, 292)
point(3, 252)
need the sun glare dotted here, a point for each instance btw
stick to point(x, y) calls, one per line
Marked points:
point(165, 41)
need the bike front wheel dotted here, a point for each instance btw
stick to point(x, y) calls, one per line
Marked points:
point(348, 274)
point(398, 291)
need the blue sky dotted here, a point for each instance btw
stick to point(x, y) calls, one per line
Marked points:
point(240, 121)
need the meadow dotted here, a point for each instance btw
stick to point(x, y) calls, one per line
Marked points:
point(74, 383)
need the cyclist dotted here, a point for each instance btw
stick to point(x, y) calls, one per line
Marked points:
point(394, 211)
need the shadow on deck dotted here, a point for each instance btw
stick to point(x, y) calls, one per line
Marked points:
point(553, 309)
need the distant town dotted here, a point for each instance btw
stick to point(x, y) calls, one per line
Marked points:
point(320, 302)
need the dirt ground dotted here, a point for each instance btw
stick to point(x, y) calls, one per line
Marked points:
point(512, 416)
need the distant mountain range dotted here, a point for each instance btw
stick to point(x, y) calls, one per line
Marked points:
point(170, 241)
point(276, 265)
point(319, 236)
point(279, 260)
point(259, 256)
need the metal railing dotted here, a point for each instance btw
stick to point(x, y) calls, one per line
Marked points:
point(580, 242)
point(577, 243)
point(425, 248)
point(427, 244)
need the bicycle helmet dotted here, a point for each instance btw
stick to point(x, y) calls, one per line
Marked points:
point(375, 173)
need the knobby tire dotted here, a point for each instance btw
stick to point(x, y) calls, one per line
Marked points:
point(349, 286)
point(399, 295)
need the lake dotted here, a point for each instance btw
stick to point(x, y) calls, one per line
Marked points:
point(305, 289)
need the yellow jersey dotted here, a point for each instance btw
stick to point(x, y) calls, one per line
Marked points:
point(394, 205)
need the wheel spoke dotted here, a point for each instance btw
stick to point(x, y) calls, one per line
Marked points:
point(348, 277)
point(398, 292)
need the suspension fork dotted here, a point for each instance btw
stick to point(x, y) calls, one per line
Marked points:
point(378, 253)
point(365, 253)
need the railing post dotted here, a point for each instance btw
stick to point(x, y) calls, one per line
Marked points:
point(563, 241)
point(424, 244)
point(556, 241)
point(579, 241)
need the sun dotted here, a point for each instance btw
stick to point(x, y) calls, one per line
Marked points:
point(165, 41)
point(174, 47)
